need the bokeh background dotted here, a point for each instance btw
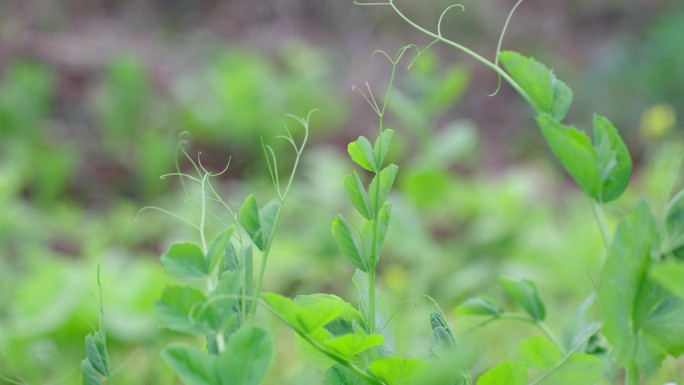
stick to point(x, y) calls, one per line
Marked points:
point(94, 95)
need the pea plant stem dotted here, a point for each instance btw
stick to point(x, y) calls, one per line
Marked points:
point(632, 375)
point(264, 261)
point(282, 197)
point(600, 217)
point(539, 324)
point(438, 36)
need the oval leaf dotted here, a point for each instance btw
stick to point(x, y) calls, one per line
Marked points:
point(525, 294)
point(343, 233)
point(361, 152)
point(246, 357)
point(575, 152)
point(185, 260)
point(612, 158)
point(479, 306)
point(192, 365)
point(357, 194)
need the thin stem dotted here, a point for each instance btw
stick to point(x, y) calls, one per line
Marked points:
point(549, 333)
point(602, 223)
point(264, 261)
point(562, 362)
point(470, 52)
point(539, 324)
point(632, 375)
point(282, 199)
point(371, 302)
point(500, 43)
point(203, 214)
point(220, 342)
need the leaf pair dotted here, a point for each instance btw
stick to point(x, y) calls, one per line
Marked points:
point(602, 169)
point(523, 292)
point(370, 157)
point(310, 315)
point(547, 93)
point(96, 364)
point(369, 206)
point(258, 223)
point(244, 361)
point(358, 246)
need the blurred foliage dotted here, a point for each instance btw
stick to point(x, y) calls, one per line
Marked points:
point(69, 195)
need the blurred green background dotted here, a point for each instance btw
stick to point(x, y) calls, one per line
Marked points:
point(94, 96)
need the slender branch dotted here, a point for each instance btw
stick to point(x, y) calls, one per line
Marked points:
point(500, 43)
point(600, 216)
point(562, 362)
point(632, 375)
point(282, 198)
point(470, 52)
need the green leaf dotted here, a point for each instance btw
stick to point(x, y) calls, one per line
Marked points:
point(578, 369)
point(192, 365)
point(307, 313)
point(318, 314)
point(352, 344)
point(612, 158)
point(642, 320)
point(259, 223)
point(398, 371)
point(357, 194)
point(670, 275)
point(379, 196)
point(479, 306)
point(330, 307)
point(185, 260)
point(508, 373)
point(575, 152)
point(443, 343)
point(246, 358)
point(267, 217)
point(250, 221)
point(218, 248)
point(532, 76)
point(525, 294)
point(562, 99)
point(361, 152)
point(96, 352)
point(580, 325)
point(223, 301)
point(175, 305)
point(89, 374)
point(381, 146)
point(383, 225)
point(674, 226)
point(350, 246)
point(539, 353)
point(339, 375)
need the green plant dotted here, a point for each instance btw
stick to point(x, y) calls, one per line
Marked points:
point(640, 296)
point(637, 295)
point(219, 299)
point(96, 365)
